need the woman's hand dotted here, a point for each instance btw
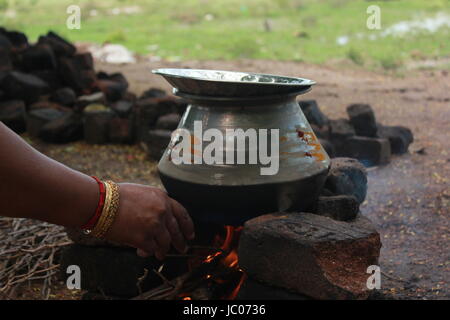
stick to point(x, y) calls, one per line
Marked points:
point(150, 221)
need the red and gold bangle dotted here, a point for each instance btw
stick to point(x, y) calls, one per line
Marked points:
point(109, 212)
point(98, 211)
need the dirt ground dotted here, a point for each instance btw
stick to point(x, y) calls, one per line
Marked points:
point(408, 200)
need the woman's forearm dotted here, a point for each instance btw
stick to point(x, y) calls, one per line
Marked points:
point(35, 186)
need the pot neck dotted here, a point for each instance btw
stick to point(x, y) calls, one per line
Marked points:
point(212, 101)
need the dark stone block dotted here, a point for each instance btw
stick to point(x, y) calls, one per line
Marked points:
point(321, 132)
point(255, 290)
point(121, 130)
point(329, 147)
point(5, 43)
point(18, 39)
point(51, 77)
point(96, 126)
point(45, 104)
point(38, 57)
point(168, 122)
point(180, 106)
point(12, 114)
point(148, 111)
point(113, 91)
point(341, 128)
point(153, 93)
point(339, 131)
point(86, 100)
point(114, 86)
point(156, 143)
point(362, 119)
point(348, 177)
point(77, 72)
point(65, 96)
point(312, 112)
point(370, 151)
point(66, 129)
point(115, 271)
point(310, 254)
point(399, 137)
point(129, 96)
point(123, 108)
point(60, 46)
point(5, 60)
point(18, 85)
point(341, 207)
point(36, 119)
point(84, 60)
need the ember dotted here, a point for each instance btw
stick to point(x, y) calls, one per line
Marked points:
point(227, 277)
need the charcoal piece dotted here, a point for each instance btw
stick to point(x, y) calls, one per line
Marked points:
point(5, 60)
point(116, 271)
point(96, 126)
point(348, 177)
point(312, 112)
point(329, 147)
point(168, 122)
point(339, 131)
point(362, 119)
point(156, 143)
point(123, 108)
point(340, 207)
point(37, 119)
point(399, 137)
point(370, 151)
point(38, 57)
point(153, 93)
point(254, 290)
point(18, 85)
point(12, 114)
point(77, 72)
point(121, 130)
point(18, 40)
point(60, 46)
point(65, 96)
point(67, 128)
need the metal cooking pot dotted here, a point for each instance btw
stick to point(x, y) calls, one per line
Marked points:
point(231, 193)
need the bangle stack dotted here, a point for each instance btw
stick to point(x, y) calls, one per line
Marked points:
point(108, 211)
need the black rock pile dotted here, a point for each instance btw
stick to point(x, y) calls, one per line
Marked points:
point(360, 136)
point(53, 92)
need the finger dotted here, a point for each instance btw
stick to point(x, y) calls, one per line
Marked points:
point(147, 249)
point(162, 239)
point(143, 254)
point(178, 240)
point(183, 219)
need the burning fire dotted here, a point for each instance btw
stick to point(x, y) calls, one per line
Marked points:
point(230, 244)
point(227, 273)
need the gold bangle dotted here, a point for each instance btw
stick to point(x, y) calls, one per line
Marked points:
point(96, 231)
point(109, 210)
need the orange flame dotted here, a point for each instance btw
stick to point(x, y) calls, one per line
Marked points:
point(228, 244)
point(231, 260)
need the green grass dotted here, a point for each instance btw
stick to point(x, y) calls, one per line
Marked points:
point(302, 30)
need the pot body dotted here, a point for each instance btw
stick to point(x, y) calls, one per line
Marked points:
point(231, 193)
